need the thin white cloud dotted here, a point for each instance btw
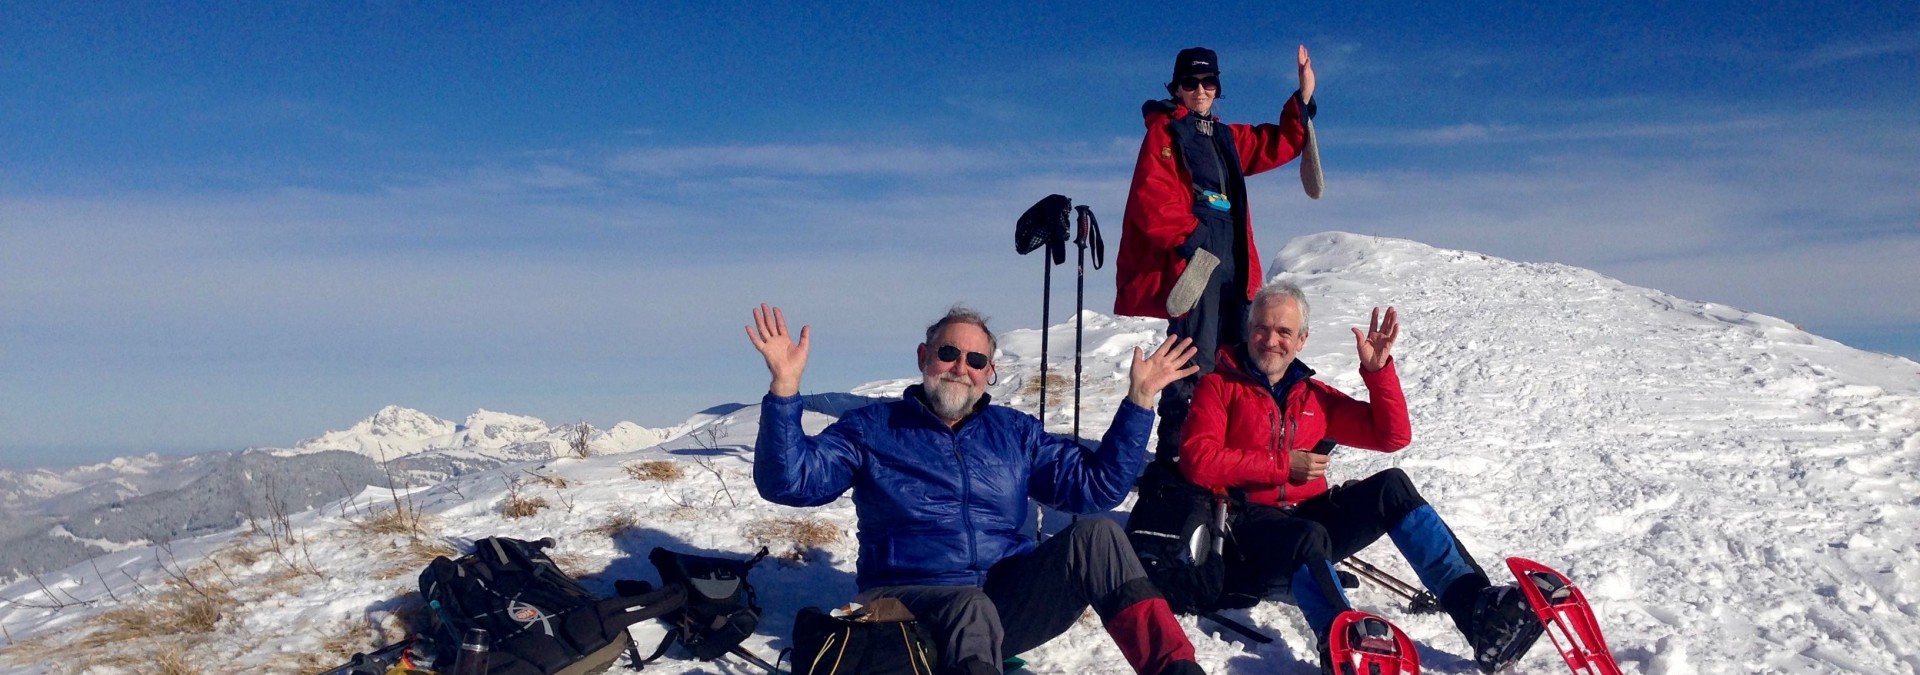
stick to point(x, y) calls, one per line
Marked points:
point(821, 159)
point(470, 287)
point(1508, 133)
point(1840, 52)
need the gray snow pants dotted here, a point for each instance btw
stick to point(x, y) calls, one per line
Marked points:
point(1028, 599)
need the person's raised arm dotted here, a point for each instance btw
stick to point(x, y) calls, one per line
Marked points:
point(1068, 478)
point(1381, 423)
point(786, 359)
point(790, 467)
point(1264, 147)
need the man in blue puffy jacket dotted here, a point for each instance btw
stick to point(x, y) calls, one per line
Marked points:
point(940, 484)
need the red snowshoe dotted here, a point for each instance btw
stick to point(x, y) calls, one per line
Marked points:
point(1563, 609)
point(1363, 644)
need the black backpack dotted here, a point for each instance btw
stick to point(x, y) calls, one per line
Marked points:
point(541, 621)
point(1173, 531)
point(1178, 529)
point(882, 638)
point(720, 611)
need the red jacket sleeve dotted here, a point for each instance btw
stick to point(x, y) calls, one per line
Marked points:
point(1268, 146)
point(1160, 198)
point(1378, 424)
point(1207, 459)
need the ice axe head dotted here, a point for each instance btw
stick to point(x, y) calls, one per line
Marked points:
point(1047, 223)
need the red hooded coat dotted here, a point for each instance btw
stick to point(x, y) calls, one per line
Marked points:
point(1159, 214)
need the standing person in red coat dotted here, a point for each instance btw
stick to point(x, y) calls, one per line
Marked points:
point(1255, 423)
point(1186, 243)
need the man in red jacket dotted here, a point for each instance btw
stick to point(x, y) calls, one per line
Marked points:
point(1255, 423)
point(1186, 241)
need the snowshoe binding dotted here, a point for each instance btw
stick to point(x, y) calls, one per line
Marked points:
point(1363, 644)
point(1502, 629)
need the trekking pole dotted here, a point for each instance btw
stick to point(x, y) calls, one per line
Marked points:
point(1044, 225)
point(742, 652)
point(1046, 303)
point(1088, 234)
point(1420, 600)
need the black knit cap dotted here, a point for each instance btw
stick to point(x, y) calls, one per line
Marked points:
point(1194, 61)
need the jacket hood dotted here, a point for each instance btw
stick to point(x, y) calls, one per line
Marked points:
point(1164, 108)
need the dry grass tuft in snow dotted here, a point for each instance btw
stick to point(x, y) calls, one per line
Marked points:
point(411, 556)
point(522, 507)
point(1056, 382)
point(170, 661)
point(395, 521)
point(555, 481)
point(161, 629)
point(619, 522)
point(517, 505)
point(658, 470)
point(792, 536)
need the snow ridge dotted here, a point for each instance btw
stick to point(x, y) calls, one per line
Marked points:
point(1734, 494)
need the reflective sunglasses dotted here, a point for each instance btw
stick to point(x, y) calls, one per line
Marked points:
point(1190, 83)
point(950, 354)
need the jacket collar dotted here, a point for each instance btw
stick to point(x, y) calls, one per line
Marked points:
point(917, 394)
point(1237, 361)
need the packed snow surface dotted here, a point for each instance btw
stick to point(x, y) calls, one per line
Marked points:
point(1734, 494)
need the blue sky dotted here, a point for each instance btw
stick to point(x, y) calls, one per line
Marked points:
point(242, 224)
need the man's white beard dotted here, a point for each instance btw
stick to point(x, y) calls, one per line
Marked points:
point(950, 399)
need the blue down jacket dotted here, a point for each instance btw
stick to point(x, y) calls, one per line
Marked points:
point(936, 505)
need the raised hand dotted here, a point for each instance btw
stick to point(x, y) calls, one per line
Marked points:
point(1153, 373)
point(1376, 345)
point(1306, 77)
point(786, 360)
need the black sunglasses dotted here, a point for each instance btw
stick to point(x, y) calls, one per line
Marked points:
point(950, 354)
point(1190, 83)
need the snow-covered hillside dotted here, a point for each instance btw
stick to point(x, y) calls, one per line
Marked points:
point(1734, 494)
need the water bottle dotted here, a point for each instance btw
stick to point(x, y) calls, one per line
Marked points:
point(472, 659)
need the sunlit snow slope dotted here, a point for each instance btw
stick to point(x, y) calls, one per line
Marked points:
point(1734, 494)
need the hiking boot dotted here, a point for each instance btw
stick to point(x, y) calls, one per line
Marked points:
point(1183, 668)
point(1502, 628)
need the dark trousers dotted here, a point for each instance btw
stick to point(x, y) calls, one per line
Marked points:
point(1031, 599)
point(1219, 318)
point(1269, 544)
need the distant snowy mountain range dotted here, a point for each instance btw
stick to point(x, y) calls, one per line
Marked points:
point(56, 517)
point(395, 432)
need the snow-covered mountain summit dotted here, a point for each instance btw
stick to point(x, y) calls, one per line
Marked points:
point(391, 433)
point(1734, 494)
point(396, 432)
